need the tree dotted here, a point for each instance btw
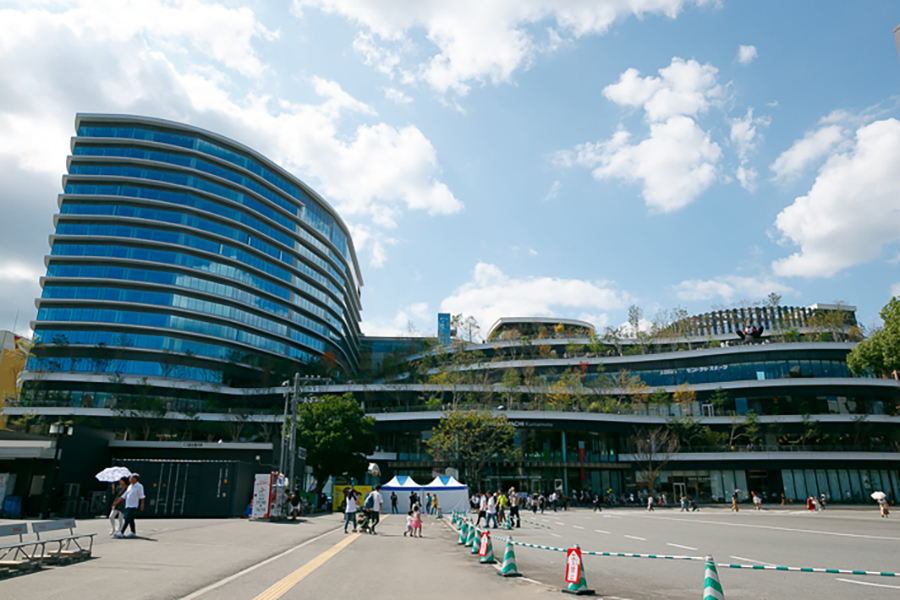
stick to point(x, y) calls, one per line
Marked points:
point(337, 436)
point(467, 328)
point(471, 439)
point(719, 399)
point(653, 449)
point(880, 354)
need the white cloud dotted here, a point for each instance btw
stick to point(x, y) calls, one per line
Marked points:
point(852, 210)
point(371, 241)
point(677, 162)
point(746, 54)
point(803, 152)
point(745, 137)
point(674, 165)
point(183, 60)
point(491, 295)
point(395, 95)
point(413, 317)
point(532, 252)
point(553, 192)
point(730, 288)
point(477, 42)
point(683, 88)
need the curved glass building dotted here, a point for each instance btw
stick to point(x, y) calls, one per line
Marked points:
point(184, 259)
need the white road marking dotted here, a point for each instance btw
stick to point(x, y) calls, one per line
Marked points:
point(577, 526)
point(834, 533)
point(881, 585)
point(555, 535)
point(759, 562)
point(558, 523)
point(231, 578)
point(634, 537)
point(600, 531)
point(680, 546)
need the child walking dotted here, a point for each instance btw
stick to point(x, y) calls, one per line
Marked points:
point(417, 523)
point(409, 525)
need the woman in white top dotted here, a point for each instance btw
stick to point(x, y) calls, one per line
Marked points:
point(350, 510)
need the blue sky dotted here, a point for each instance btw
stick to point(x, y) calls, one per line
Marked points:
point(504, 157)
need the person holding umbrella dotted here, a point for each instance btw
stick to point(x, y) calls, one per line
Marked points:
point(113, 476)
point(881, 498)
point(116, 515)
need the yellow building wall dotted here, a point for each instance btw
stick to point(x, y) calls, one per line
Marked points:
point(11, 364)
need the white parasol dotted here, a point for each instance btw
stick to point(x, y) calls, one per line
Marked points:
point(878, 496)
point(112, 474)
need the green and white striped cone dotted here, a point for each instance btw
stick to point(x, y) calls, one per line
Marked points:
point(712, 588)
point(462, 533)
point(580, 588)
point(508, 568)
point(470, 535)
point(476, 537)
point(488, 559)
point(507, 523)
point(440, 513)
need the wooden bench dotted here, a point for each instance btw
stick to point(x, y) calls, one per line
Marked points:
point(19, 555)
point(63, 547)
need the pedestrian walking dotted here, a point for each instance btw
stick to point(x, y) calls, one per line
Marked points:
point(734, 502)
point(117, 516)
point(883, 505)
point(434, 504)
point(482, 510)
point(502, 501)
point(394, 503)
point(377, 505)
point(133, 498)
point(428, 503)
point(683, 501)
point(491, 511)
point(351, 507)
point(515, 501)
point(650, 503)
point(822, 500)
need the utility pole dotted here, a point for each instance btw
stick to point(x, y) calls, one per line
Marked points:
point(292, 441)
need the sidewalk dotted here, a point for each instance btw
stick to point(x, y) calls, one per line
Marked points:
point(173, 559)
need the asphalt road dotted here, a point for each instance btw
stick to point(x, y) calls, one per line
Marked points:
point(241, 560)
point(837, 538)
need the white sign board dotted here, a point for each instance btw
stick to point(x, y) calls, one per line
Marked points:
point(262, 491)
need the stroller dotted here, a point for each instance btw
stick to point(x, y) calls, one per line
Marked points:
point(364, 521)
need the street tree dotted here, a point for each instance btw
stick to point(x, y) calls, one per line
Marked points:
point(470, 439)
point(337, 436)
point(880, 354)
point(653, 449)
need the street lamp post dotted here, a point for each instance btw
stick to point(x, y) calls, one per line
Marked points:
point(59, 430)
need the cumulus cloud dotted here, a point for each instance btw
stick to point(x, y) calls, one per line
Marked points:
point(189, 61)
point(553, 192)
point(675, 164)
point(407, 321)
point(730, 288)
point(685, 87)
point(852, 209)
point(395, 95)
point(491, 294)
point(678, 160)
point(814, 146)
point(478, 42)
point(746, 54)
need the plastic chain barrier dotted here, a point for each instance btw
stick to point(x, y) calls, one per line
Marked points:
point(700, 558)
point(809, 570)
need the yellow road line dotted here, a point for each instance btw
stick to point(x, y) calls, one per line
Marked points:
point(282, 587)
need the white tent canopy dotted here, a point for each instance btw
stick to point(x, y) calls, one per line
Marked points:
point(402, 486)
point(451, 494)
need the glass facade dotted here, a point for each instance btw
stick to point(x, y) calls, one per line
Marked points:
point(179, 254)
